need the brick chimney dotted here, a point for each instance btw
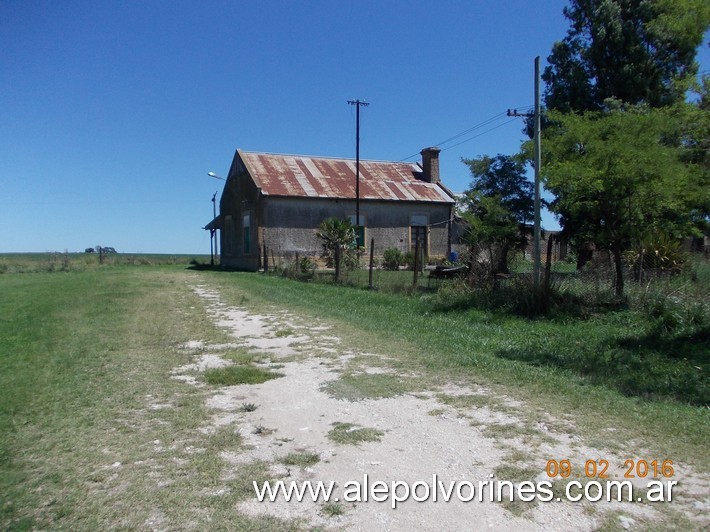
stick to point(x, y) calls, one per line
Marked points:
point(430, 164)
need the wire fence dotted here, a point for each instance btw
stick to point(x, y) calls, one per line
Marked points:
point(682, 285)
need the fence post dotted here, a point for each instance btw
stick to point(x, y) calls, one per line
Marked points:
point(266, 259)
point(416, 264)
point(548, 262)
point(372, 261)
point(337, 263)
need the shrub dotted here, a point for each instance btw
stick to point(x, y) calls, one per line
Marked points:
point(657, 254)
point(392, 259)
point(408, 260)
point(302, 269)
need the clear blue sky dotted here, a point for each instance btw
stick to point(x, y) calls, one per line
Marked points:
point(112, 113)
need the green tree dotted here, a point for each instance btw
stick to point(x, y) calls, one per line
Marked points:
point(618, 175)
point(492, 231)
point(497, 205)
point(637, 51)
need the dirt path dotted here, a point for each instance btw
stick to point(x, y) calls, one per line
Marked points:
point(329, 395)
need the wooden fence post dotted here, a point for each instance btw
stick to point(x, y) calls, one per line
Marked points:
point(337, 262)
point(416, 264)
point(372, 260)
point(548, 262)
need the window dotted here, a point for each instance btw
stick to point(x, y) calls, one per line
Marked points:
point(246, 224)
point(359, 230)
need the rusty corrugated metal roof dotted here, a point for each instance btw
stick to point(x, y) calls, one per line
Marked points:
point(322, 177)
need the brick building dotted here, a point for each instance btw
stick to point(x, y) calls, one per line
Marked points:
point(279, 201)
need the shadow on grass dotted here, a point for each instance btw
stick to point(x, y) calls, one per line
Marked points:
point(527, 302)
point(647, 366)
point(197, 266)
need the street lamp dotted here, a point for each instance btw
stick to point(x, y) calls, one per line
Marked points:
point(213, 230)
point(213, 241)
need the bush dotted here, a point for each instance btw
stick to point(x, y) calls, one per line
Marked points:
point(658, 255)
point(302, 269)
point(392, 259)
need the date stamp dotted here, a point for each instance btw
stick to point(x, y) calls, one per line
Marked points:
point(600, 468)
point(654, 474)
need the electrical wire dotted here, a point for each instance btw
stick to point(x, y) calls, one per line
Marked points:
point(486, 122)
point(480, 134)
point(462, 133)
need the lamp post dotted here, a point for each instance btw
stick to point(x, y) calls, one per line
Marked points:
point(213, 230)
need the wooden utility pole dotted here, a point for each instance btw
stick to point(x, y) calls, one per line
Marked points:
point(537, 262)
point(536, 228)
point(357, 104)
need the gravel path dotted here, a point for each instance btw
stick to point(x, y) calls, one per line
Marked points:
point(458, 433)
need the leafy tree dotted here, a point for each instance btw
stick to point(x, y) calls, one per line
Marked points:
point(503, 176)
point(619, 174)
point(637, 51)
point(338, 238)
point(497, 204)
point(492, 230)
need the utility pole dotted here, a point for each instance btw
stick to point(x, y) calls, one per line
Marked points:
point(357, 104)
point(536, 163)
point(536, 229)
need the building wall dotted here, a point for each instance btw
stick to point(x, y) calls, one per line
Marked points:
point(240, 198)
point(290, 224)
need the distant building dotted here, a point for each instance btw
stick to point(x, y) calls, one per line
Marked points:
point(279, 201)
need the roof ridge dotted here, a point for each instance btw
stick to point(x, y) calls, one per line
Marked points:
point(247, 152)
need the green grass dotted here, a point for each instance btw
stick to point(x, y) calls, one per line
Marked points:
point(301, 459)
point(332, 509)
point(361, 386)
point(83, 356)
point(241, 357)
point(470, 401)
point(349, 434)
point(561, 366)
point(233, 375)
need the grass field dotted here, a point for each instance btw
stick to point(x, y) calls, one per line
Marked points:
point(82, 358)
point(86, 355)
point(66, 262)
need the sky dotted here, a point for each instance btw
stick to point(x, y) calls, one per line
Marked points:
point(112, 113)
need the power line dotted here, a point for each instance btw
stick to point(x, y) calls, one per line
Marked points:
point(469, 130)
point(479, 135)
point(462, 133)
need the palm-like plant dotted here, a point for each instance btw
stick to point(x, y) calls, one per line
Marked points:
point(338, 238)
